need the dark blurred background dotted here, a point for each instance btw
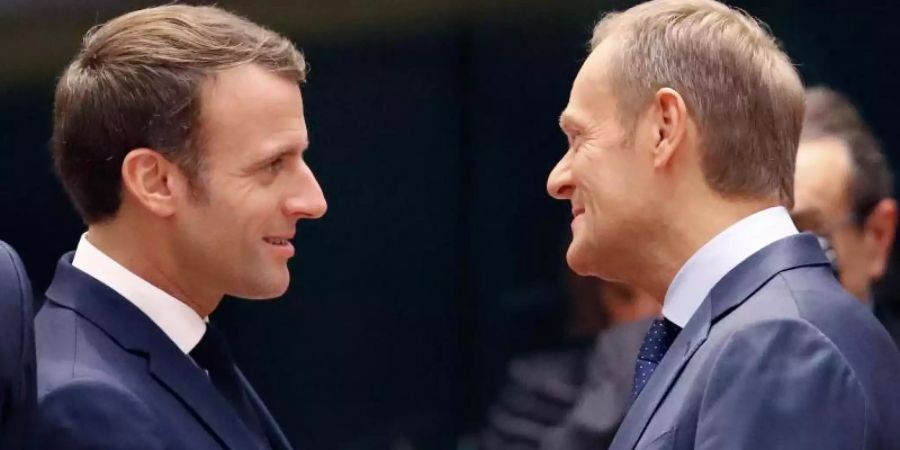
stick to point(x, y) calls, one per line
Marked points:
point(433, 126)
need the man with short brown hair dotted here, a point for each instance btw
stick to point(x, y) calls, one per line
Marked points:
point(843, 190)
point(844, 194)
point(179, 135)
point(683, 126)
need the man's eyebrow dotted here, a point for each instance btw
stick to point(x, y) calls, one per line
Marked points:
point(279, 152)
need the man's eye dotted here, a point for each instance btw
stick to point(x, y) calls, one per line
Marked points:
point(276, 166)
point(574, 140)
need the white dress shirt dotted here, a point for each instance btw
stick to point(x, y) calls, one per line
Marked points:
point(175, 318)
point(717, 257)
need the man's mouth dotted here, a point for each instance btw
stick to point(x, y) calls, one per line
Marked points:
point(281, 245)
point(277, 241)
point(577, 212)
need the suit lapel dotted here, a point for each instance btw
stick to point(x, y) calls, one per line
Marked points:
point(190, 384)
point(136, 333)
point(732, 290)
point(273, 432)
point(686, 344)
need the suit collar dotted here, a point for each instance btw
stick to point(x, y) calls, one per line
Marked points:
point(797, 251)
point(135, 332)
point(175, 318)
point(706, 267)
point(738, 285)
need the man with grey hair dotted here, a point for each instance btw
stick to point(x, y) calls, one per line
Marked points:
point(683, 125)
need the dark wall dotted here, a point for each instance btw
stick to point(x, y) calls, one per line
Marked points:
point(363, 348)
point(433, 147)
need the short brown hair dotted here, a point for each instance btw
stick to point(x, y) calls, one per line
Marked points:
point(736, 82)
point(831, 115)
point(136, 82)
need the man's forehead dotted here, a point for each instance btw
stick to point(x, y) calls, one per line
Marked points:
point(593, 73)
point(833, 144)
point(590, 91)
point(826, 159)
point(821, 177)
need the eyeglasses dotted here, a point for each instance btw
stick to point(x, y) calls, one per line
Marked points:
point(812, 222)
point(828, 248)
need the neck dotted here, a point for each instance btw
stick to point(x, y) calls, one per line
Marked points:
point(140, 247)
point(687, 230)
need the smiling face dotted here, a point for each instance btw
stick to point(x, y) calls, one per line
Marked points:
point(234, 235)
point(603, 174)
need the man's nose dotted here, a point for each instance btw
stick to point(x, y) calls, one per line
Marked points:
point(559, 184)
point(308, 200)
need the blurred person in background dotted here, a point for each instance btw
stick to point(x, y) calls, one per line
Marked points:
point(683, 126)
point(179, 135)
point(550, 392)
point(17, 365)
point(843, 192)
point(604, 398)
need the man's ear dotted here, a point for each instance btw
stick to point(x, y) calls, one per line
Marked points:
point(880, 228)
point(147, 177)
point(670, 125)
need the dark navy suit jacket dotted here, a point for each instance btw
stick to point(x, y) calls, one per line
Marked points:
point(109, 378)
point(778, 356)
point(17, 384)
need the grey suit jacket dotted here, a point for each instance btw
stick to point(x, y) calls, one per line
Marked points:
point(603, 401)
point(778, 356)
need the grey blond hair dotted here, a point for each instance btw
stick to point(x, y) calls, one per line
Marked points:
point(738, 85)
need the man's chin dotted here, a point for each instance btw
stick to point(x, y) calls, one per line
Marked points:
point(577, 261)
point(270, 290)
point(262, 297)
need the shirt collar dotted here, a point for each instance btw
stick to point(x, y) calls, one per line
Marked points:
point(175, 318)
point(717, 257)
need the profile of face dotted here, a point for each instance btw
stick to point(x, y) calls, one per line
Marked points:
point(606, 173)
point(822, 205)
point(234, 227)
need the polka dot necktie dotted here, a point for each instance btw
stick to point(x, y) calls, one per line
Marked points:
point(656, 343)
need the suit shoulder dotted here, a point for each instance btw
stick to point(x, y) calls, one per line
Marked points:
point(89, 390)
point(793, 360)
point(779, 334)
point(844, 320)
point(94, 413)
point(787, 336)
point(72, 352)
point(769, 342)
point(15, 310)
point(812, 296)
point(53, 322)
point(780, 383)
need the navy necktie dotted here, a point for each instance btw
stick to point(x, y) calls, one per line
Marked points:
point(212, 354)
point(659, 338)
